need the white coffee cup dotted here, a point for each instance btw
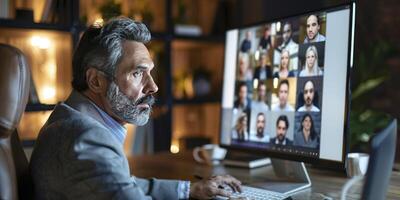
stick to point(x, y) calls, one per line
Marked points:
point(356, 164)
point(210, 154)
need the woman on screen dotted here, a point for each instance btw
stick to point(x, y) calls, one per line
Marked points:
point(240, 130)
point(311, 65)
point(284, 66)
point(306, 136)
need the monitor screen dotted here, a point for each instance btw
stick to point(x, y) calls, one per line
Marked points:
point(286, 86)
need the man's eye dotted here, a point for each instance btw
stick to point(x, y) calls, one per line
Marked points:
point(137, 74)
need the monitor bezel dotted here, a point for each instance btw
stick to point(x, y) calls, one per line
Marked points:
point(346, 134)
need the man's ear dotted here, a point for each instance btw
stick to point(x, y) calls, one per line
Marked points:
point(96, 82)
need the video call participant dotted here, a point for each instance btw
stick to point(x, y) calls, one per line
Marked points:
point(308, 95)
point(263, 71)
point(265, 40)
point(282, 125)
point(243, 102)
point(313, 27)
point(240, 130)
point(284, 71)
point(260, 103)
point(245, 73)
point(283, 94)
point(289, 45)
point(310, 67)
point(79, 152)
point(306, 136)
point(246, 43)
point(260, 136)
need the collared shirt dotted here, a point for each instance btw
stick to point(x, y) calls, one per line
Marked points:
point(311, 109)
point(115, 128)
point(119, 132)
point(287, 107)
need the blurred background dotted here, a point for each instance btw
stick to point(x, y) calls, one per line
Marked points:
point(188, 50)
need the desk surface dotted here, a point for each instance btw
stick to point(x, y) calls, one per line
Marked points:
point(182, 166)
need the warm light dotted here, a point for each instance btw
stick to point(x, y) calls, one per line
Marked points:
point(257, 55)
point(188, 85)
point(278, 26)
point(98, 22)
point(275, 82)
point(174, 148)
point(40, 42)
point(48, 94)
point(255, 83)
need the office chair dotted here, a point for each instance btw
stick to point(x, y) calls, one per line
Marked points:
point(15, 181)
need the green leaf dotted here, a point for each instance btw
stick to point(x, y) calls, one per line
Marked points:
point(367, 86)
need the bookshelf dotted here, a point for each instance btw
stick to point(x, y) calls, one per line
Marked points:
point(174, 54)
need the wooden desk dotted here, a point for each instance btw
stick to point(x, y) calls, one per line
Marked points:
point(182, 166)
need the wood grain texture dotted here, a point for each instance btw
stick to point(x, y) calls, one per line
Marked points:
point(182, 166)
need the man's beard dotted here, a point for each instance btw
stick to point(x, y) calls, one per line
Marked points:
point(308, 102)
point(260, 132)
point(128, 109)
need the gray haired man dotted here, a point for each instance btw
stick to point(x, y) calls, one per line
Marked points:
point(79, 151)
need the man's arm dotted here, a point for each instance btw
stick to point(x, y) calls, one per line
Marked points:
point(98, 161)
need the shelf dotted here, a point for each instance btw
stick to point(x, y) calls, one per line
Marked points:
point(196, 101)
point(201, 38)
point(10, 23)
point(39, 107)
point(177, 37)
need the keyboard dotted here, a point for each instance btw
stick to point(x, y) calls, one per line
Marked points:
point(252, 193)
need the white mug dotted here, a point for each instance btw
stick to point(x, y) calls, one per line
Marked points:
point(356, 164)
point(210, 154)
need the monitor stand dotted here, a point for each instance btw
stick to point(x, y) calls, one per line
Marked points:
point(290, 177)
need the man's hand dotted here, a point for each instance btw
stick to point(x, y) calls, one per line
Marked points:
point(213, 186)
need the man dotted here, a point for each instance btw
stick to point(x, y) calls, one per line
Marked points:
point(260, 126)
point(283, 94)
point(290, 46)
point(246, 43)
point(313, 27)
point(308, 96)
point(259, 104)
point(263, 71)
point(282, 125)
point(265, 41)
point(243, 102)
point(79, 151)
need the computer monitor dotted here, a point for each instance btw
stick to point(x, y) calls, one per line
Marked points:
point(286, 86)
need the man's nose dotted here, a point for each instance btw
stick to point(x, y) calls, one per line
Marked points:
point(150, 87)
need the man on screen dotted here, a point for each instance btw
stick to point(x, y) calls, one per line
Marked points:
point(260, 103)
point(243, 103)
point(246, 43)
point(313, 27)
point(283, 95)
point(260, 136)
point(282, 125)
point(308, 95)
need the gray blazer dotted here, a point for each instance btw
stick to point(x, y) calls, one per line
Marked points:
point(76, 157)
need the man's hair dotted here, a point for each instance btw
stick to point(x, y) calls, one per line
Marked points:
point(260, 114)
point(285, 81)
point(101, 48)
point(284, 119)
point(304, 85)
point(316, 16)
point(241, 84)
